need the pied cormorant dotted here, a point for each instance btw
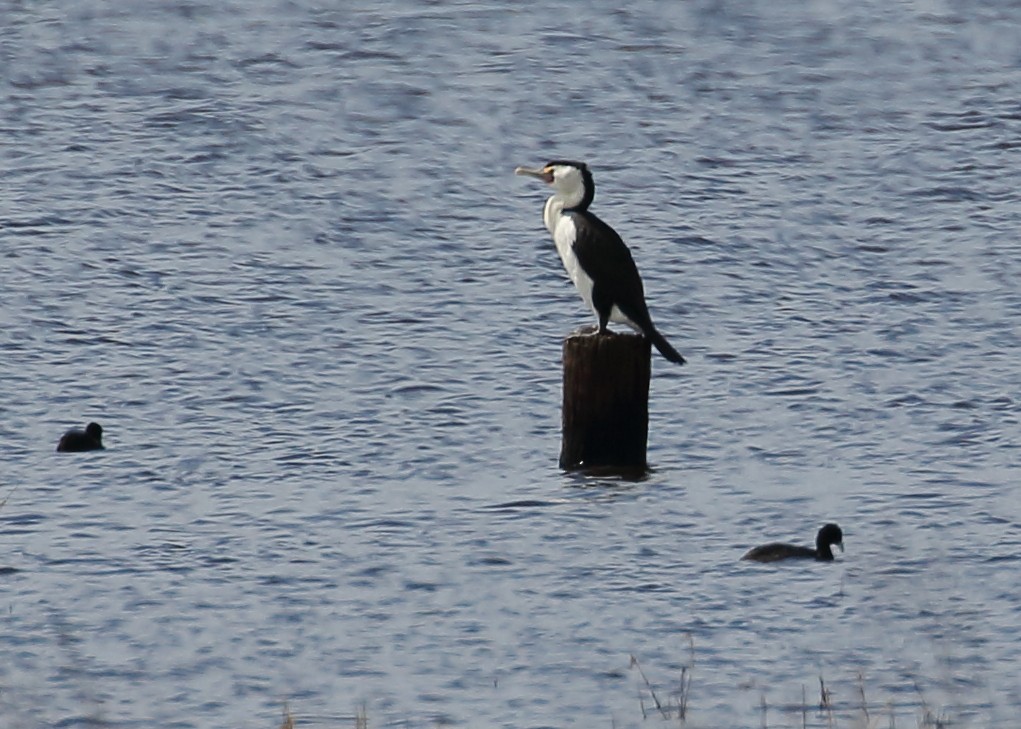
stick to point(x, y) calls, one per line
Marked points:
point(597, 260)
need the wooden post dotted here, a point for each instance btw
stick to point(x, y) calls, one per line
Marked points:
point(606, 402)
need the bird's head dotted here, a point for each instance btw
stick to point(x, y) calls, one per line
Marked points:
point(830, 534)
point(571, 181)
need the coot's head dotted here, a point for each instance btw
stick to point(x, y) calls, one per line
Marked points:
point(95, 431)
point(828, 535)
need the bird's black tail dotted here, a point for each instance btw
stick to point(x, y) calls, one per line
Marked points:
point(664, 346)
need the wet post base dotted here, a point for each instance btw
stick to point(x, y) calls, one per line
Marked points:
point(606, 402)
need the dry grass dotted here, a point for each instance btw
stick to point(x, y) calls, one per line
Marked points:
point(855, 713)
point(827, 713)
point(288, 722)
point(676, 703)
point(360, 719)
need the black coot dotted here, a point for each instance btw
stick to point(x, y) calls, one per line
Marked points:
point(77, 440)
point(830, 534)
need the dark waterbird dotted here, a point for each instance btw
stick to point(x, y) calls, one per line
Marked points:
point(829, 535)
point(77, 440)
point(597, 260)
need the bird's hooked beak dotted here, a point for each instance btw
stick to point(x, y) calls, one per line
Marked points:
point(543, 173)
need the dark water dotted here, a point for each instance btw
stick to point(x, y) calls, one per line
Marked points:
point(278, 252)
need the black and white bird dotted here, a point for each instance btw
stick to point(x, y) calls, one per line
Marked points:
point(597, 260)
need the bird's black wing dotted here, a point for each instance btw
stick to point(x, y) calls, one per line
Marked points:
point(607, 260)
point(615, 279)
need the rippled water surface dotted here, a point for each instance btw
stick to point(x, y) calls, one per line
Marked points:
point(278, 251)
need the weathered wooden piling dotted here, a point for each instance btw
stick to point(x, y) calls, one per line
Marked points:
point(606, 402)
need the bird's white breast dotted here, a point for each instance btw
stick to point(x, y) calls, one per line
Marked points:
point(564, 234)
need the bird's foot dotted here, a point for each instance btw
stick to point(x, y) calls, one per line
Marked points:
point(589, 331)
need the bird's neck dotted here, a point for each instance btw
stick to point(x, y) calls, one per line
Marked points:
point(552, 212)
point(577, 198)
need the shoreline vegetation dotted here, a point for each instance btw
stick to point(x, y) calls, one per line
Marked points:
point(672, 704)
point(827, 712)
